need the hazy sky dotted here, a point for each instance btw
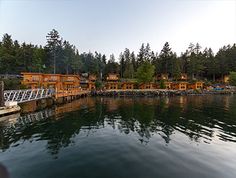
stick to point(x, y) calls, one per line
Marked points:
point(109, 26)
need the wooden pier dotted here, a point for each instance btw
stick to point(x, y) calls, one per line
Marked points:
point(6, 108)
point(9, 110)
point(71, 92)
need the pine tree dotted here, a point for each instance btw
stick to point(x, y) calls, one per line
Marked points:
point(76, 64)
point(7, 54)
point(128, 65)
point(147, 53)
point(68, 56)
point(54, 46)
point(112, 66)
point(195, 58)
point(165, 58)
point(133, 61)
point(140, 57)
point(38, 59)
point(122, 65)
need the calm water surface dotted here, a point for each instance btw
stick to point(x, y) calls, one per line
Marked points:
point(181, 137)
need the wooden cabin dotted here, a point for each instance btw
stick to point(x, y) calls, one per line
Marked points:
point(222, 79)
point(226, 78)
point(84, 83)
point(91, 83)
point(179, 86)
point(32, 80)
point(195, 86)
point(164, 77)
point(112, 82)
point(70, 81)
point(112, 77)
point(112, 85)
point(52, 81)
point(92, 78)
point(168, 85)
point(56, 81)
point(150, 85)
point(127, 85)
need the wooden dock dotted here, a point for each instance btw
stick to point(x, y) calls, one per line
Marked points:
point(9, 110)
point(71, 92)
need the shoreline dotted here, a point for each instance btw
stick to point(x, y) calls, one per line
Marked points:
point(159, 92)
point(38, 105)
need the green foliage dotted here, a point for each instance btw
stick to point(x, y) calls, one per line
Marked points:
point(232, 78)
point(112, 66)
point(7, 57)
point(54, 46)
point(98, 84)
point(144, 54)
point(168, 62)
point(127, 63)
point(12, 84)
point(145, 73)
point(166, 58)
point(62, 56)
point(162, 84)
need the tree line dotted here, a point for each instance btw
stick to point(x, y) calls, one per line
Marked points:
point(59, 56)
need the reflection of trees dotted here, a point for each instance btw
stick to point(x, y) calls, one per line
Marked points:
point(197, 117)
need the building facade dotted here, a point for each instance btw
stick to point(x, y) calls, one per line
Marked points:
point(55, 81)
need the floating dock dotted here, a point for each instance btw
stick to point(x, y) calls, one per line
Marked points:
point(7, 110)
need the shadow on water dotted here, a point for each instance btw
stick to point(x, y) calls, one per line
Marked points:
point(201, 118)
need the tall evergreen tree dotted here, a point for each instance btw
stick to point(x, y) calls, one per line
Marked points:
point(54, 46)
point(122, 65)
point(195, 59)
point(129, 68)
point(166, 58)
point(210, 63)
point(147, 53)
point(140, 57)
point(112, 66)
point(68, 56)
point(38, 59)
point(7, 54)
point(133, 61)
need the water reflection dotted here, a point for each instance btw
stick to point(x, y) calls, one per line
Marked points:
point(201, 118)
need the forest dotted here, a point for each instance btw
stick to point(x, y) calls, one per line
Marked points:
point(59, 56)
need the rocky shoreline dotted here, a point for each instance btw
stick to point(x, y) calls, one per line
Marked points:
point(159, 92)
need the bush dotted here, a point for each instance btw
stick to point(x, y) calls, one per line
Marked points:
point(12, 84)
point(98, 85)
point(232, 78)
point(162, 84)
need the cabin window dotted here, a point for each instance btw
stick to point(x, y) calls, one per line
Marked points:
point(53, 78)
point(70, 79)
point(182, 86)
point(35, 78)
point(199, 86)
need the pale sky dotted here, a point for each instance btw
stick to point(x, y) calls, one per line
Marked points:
point(110, 26)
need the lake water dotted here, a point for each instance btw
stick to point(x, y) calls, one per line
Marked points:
point(180, 137)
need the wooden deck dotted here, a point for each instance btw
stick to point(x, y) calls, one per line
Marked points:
point(71, 92)
point(9, 110)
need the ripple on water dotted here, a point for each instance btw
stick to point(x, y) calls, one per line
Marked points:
point(122, 137)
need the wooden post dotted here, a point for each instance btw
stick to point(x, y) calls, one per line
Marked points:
point(2, 103)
